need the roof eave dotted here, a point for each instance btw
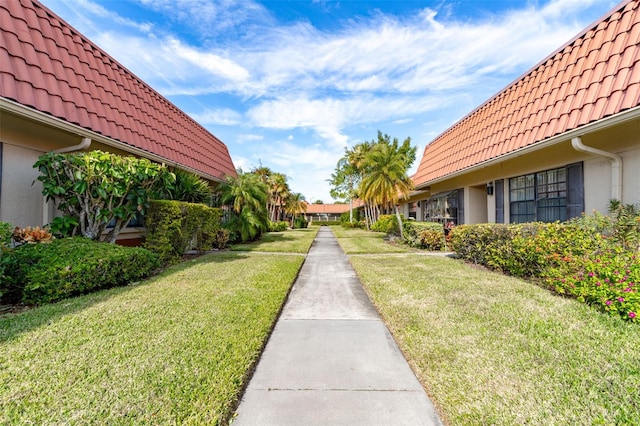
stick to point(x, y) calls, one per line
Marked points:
point(628, 115)
point(40, 117)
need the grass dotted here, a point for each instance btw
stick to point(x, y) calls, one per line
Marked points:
point(175, 349)
point(360, 241)
point(492, 349)
point(292, 241)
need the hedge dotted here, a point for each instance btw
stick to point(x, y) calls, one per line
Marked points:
point(172, 227)
point(424, 235)
point(569, 258)
point(44, 273)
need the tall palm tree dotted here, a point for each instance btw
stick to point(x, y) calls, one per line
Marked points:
point(386, 181)
point(278, 192)
point(246, 195)
point(295, 205)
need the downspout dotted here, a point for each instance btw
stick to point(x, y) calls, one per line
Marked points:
point(616, 165)
point(86, 142)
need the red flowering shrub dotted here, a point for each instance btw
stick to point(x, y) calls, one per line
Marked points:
point(573, 259)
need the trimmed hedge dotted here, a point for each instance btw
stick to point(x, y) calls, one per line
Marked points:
point(5, 259)
point(569, 258)
point(279, 226)
point(424, 235)
point(175, 226)
point(44, 273)
point(300, 222)
point(387, 223)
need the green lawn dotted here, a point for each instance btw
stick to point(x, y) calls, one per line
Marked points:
point(292, 241)
point(360, 241)
point(496, 350)
point(174, 349)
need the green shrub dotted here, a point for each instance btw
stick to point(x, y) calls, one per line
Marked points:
point(608, 278)
point(278, 226)
point(172, 227)
point(573, 259)
point(325, 223)
point(5, 259)
point(424, 235)
point(475, 242)
point(44, 273)
point(431, 240)
point(351, 225)
point(355, 214)
point(300, 222)
point(387, 223)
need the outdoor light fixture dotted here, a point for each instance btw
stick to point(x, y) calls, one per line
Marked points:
point(490, 188)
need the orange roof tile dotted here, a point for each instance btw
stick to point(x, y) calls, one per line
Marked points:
point(47, 65)
point(594, 76)
point(331, 208)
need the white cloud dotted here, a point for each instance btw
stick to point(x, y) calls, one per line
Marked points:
point(210, 62)
point(242, 138)
point(224, 116)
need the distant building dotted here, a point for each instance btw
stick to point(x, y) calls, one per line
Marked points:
point(59, 91)
point(329, 212)
point(561, 140)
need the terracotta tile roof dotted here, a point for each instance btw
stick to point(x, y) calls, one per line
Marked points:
point(47, 65)
point(594, 76)
point(331, 208)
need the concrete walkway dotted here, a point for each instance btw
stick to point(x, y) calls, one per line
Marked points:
point(331, 359)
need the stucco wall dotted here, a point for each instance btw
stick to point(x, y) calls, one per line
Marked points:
point(597, 181)
point(631, 176)
point(20, 202)
point(475, 204)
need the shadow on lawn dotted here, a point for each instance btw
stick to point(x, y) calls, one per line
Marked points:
point(27, 318)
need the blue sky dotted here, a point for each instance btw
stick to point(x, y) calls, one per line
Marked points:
point(290, 84)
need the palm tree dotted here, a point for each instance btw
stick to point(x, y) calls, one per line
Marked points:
point(295, 205)
point(386, 180)
point(246, 195)
point(278, 192)
point(189, 187)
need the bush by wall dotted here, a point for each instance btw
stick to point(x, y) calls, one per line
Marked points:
point(172, 227)
point(279, 226)
point(5, 241)
point(387, 223)
point(573, 259)
point(300, 222)
point(44, 273)
point(424, 235)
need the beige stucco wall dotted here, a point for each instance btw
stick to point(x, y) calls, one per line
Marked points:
point(491, 208)
point(20, 202)
point(631, 175)
point(597, 181)
point(475, 204)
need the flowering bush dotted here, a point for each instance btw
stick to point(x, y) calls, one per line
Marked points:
point(584, 259)
point(424, 235)
point(609, 278)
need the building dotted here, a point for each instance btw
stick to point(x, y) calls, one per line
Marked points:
point(330, 212)
point(561, 140)
point(59, 91)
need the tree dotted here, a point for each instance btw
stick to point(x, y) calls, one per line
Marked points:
point(188, 187)
point(375, 172)
point(386, 181)
point(246, 195)
point(278, 192)
point(295, 205)
point(95, 188)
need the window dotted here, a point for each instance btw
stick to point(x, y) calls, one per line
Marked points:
point(522, 196)
point(546, 196)
point(445, 208)
point(552, 195)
